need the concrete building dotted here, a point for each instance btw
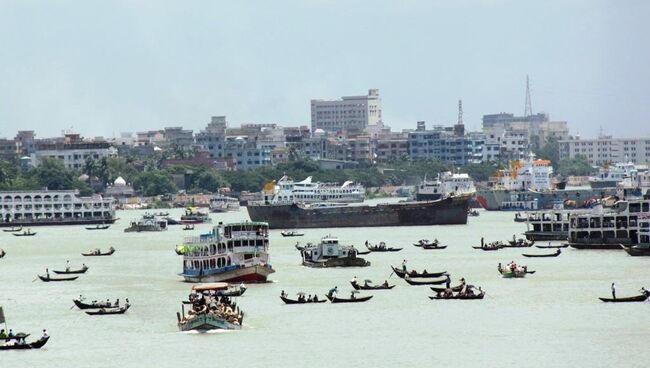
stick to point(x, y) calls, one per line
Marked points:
point(351, 114)
point(8, 149)
point(394, 146)
point(536, 128)
point(72, 150)
point(178, 137)
point(447, 144)
point(606, 149)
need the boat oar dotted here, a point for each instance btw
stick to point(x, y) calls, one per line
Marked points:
point(391, 274)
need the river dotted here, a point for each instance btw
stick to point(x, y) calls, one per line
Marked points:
point(550, 319)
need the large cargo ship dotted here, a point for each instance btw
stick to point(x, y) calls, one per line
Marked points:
point(229, 253)
point(54, 207)
point(528, 186)
point(451, 210)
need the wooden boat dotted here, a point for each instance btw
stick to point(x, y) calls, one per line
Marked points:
point(363, 253)
point(456, 288)
point(358, 286)
point(509, 274)
point(26, 346)
point(287, 234)
point(521, 243)
point(106, 311)
point(98, 253)
point(423, 242)
point(424, 282)
point(557, 253)
point(382, 248)
point(13, 229)
point(401, 273)
point(565, 245)
point(637, 250)
point(362, 299)
point(631, 299)
point(488, 248)
point(98, 227)
point(293, 301)
point(69, 272)
point(49, 278)
point(459, 297)
point(93, 305)
point(24, 233)
point(433, 246)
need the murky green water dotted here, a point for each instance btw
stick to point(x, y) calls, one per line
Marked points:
point(550, 319)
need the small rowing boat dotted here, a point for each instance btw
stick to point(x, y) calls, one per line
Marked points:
point(294, 301)
point(631, 299)
point(414, 274)
point(107, 311)
point(362, 299)
point(13, 229)
point(98, 227)
point(365, 286)
point(98, 253)
point(557, 253)
point(424, 282)
point(48, 278)
point(69, 272)
point(381, 247)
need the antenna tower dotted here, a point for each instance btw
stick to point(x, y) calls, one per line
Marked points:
point(460, 112)
point(528, 109)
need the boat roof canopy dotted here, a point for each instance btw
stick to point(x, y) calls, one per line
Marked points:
point(211, 286)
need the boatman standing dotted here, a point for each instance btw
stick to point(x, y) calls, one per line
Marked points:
point(67, 265)
point(448, 281)
point(404, 265)
point(613, 290)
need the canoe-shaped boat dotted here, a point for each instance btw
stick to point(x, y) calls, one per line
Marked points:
point(287, 234)
point(637, 250)
point(433, 246)
point(70, 272)
point(23, 234)
point(48, 279)
point(82, 305)
point(507, 274)
point(459, 297)
point(363, 253)
point(631, 299)
point(98, 227)
point(293, 301)
point(362, 299)
point(2, 253)
point(456, 288)
point(358, 286)
point(425, 282)
point(106, 311)
point(94, 254)
point(552, 246)
point(557, 253)
point(422, 243)
point(401, 273)
point(13, 229)
point(489, 248)
point(524, 244)
point(34, 345)
point(380, 249)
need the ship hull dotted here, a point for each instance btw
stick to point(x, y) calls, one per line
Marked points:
point(202, 323)
point(77, 221)
point(546, 235)
point(526, 200)
point(443, 212)
point(427, 197)
point(254, 274)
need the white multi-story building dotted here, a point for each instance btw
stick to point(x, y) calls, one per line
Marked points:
point(606, 149)
point(350, 113)
point(72, 151)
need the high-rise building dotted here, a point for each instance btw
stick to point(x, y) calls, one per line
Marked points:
point(606, 150)
point(350, 114)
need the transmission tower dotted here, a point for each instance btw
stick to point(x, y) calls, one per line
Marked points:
point(528, 109)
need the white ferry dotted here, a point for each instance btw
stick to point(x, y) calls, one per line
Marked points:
point(148, 222)
point(54, 207)
point(445, 185)
point(611, 176)
point(608, 229)
point(330, 253)
point(222, 203)
point(286, 191)
point(229, 253)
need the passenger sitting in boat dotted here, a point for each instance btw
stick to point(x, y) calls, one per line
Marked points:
point(283, 294)
point(3, 334)
point(386, 283)
point(309, 298)
point(315, 298)
point(354, 280)
point(352, 295)
point(435, 241)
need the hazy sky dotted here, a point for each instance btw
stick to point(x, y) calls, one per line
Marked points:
point(103, 67)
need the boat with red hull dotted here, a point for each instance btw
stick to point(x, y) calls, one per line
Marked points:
point(234, 252)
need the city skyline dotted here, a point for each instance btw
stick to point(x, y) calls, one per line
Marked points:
point(104, 69)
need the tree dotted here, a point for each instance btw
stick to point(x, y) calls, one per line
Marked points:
point(550, 151)
point(209, 180)
point(578, 166)
point(154, 182)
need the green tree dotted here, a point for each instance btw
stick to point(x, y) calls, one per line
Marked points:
point(155, 182)
point(578, 166)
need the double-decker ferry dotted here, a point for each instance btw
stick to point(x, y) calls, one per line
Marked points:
point(610, 229)
point(446, 184)
point(286, 191)
point(231, 252)
point(222, 203)
point(54, 207)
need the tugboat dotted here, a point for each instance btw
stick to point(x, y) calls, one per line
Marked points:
point(194, 216)
point(148, 222)
point(329, 253)
point(234, 252)
point(210, 310)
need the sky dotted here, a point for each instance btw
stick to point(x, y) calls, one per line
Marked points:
point(104, 67)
